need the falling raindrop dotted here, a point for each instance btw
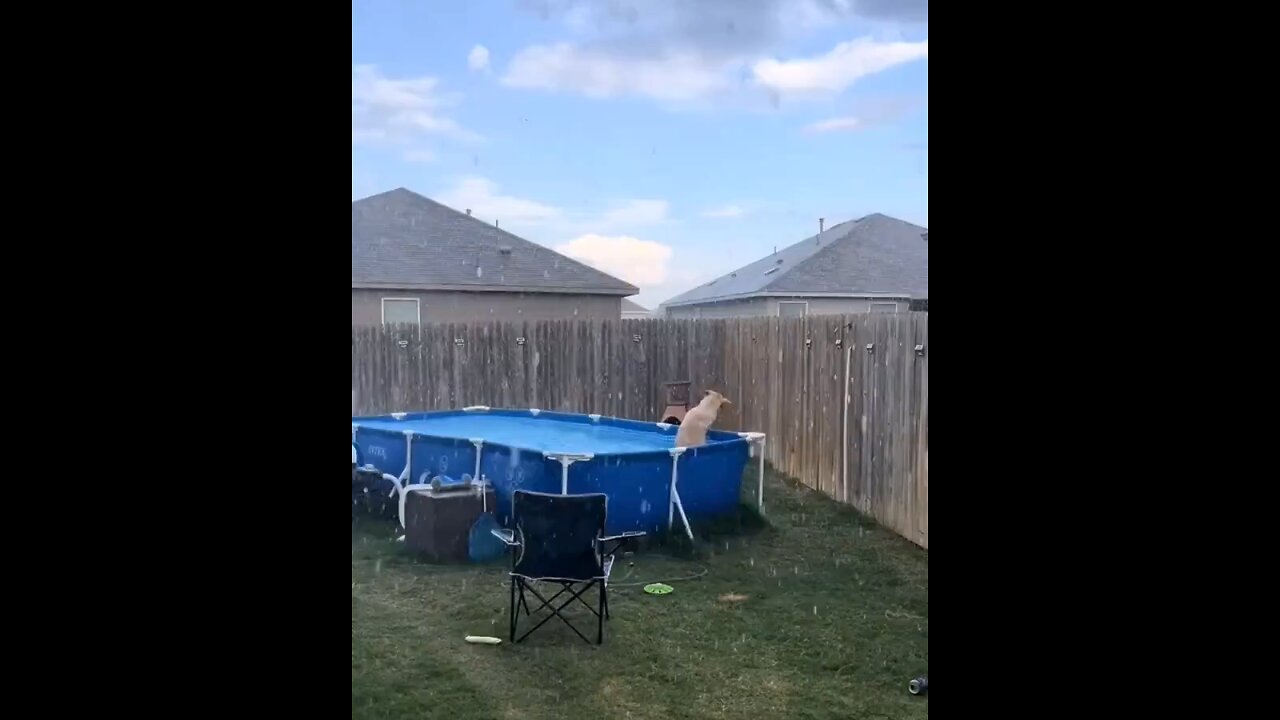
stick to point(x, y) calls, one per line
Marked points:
point(815, 610)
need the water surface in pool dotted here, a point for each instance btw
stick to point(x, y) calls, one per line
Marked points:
point(529, 433)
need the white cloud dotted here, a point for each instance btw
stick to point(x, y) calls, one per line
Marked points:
point(486, 201)
point(676, 51)
point(680, 74)
point(834, 124)
point(636, 212)
point(363, 182)
point(420, 156)
point(389, 110)
point(639, 262)
point(481, 196)
point(684, 277)
point(602, 239)
point(725, 212)
point(365, 136)
point(835, 71)
point(570, 69)
point(869, 112)
point(478, 58)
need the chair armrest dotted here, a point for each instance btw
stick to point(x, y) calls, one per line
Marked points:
point(618, 541)
point(625, 535)
point(506, 536)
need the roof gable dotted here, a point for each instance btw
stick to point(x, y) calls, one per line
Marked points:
point(400, 239)
point(876, 254)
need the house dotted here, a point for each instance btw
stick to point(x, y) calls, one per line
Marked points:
point(414, 260)
point(632, 311)
point(873, 264)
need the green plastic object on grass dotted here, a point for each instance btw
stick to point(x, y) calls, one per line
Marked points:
point(657, 588)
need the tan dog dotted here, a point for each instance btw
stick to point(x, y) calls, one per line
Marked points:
point(693, 430)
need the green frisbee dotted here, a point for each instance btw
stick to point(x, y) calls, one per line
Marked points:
point(657, 588)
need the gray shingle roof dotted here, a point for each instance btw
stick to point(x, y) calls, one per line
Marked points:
point(629, 306)
point(872, 255)
point(400, 239)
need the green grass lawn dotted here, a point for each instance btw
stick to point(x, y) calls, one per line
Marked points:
point(834, 623)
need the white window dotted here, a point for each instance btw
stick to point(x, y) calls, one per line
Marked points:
point(792, 308)
point(880, 307)
point(400, 310)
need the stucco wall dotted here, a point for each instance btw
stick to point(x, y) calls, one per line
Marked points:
point(769, 307)
point(438, 306)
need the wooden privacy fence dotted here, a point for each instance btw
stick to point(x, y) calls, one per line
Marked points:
point(844, 399)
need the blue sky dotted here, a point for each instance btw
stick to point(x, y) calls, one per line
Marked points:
point(663, 141)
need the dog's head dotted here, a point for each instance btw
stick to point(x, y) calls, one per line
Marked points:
point(714, 399)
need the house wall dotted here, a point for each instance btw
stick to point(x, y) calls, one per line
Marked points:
point(453, 306)
point(769, 307)
point(838, 306)
point(717, 311)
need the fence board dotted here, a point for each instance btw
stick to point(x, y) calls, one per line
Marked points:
point(851, 423)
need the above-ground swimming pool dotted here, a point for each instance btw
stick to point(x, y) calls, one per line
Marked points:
point(634, 463)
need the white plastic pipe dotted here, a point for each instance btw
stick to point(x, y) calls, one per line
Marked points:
point(484, 499)
point(760, 487)
point(404, 494)
point(402, 483)
point(479, 443)
point(674, 503)
point(408, 462)
point(567, 459)
point(753, 438)
point(844, 427)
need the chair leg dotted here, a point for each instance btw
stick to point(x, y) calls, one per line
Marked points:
point(557, 611)
point(512, 617)
point(604, 608)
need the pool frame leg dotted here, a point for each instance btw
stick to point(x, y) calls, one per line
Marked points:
point(674, 499)
point(753, 438)
point(402, 484)
point(567, 459)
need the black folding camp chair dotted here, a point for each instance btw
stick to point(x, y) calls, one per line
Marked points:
point(559, 540)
